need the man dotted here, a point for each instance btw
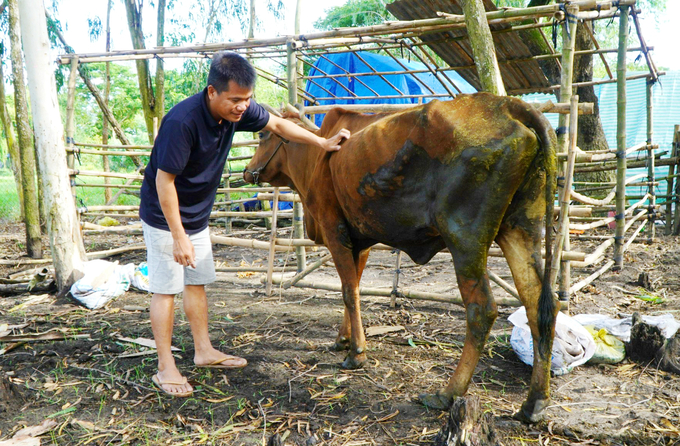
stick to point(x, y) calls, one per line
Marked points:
point(177, 196)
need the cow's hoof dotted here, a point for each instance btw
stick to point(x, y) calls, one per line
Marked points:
point(341, 344)
point(532, 412)
point(353, 363)
point(436, 401)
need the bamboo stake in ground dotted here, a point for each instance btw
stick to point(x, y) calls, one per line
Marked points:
point(70, 121)
point(395, 282)
point(621, 137)
point(671, 179)
point(564, 146)
point(651, 210)
point(272, 244)
point(562, 237)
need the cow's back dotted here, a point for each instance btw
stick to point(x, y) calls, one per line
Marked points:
point(398, 177)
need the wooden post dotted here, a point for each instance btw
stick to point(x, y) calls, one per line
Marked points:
point(272, 246)
point(564, 186)
point(621, 138)
point(651, 209)
point(395, 282)
point(562, 237)
point(670, 186)
point(298, 217)
point(70, 122)
point(676, 194)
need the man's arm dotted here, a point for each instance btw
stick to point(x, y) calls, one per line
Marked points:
point(296, 133)
point(182, 248)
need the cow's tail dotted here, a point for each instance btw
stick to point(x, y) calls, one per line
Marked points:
point(548, 145)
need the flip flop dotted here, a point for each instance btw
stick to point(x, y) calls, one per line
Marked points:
point(219, 363)
point(157, 381)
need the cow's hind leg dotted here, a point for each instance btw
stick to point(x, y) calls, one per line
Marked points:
point(522, 251)
point(480, 314)
point(345, 333)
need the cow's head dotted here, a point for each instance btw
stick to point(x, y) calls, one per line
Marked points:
point(269, 158)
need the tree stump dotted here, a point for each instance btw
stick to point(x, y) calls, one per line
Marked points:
point(669, 356)
point(645, 340)
point(643, 281)
point(467, 425)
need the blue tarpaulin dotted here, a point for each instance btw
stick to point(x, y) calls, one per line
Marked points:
point(388, 89)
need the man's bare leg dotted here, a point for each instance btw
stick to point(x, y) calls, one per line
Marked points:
point(162, 313)
point(196, 309)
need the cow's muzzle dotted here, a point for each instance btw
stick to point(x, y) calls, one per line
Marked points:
point(255, 173)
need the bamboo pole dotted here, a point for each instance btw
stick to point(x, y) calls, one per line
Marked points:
point(606, 221)
point(70, 121)
point(562, 238)
point(671, 178)
point(391, 27)
point(630, 164)
point(621, 138)
point(386, 292)
point(651, 210)
point(395, 281)
point(585, 108)
point(272, 244)
point(251, 269)
point(298, 224)
point(587, 281)
point(309, 269)
point(245, 243)
point(561, 241)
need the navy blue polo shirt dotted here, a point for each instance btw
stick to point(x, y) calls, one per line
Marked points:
point(192, 145)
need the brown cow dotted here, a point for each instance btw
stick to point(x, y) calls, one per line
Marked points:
point(458, 175)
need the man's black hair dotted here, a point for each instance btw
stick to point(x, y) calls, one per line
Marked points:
point(228, 66)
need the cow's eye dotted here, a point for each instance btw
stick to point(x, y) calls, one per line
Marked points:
point(260, 135)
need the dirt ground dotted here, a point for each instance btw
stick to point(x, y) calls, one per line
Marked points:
point(96, 387)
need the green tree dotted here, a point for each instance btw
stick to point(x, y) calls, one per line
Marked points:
point(355, 13)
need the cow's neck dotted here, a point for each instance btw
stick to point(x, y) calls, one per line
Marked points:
point(302, 159)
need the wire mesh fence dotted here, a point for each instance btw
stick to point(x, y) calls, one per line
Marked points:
point(10, 210)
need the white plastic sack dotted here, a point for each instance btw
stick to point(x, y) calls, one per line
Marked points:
point(102, 282)
point(138, 275)
point(621, 327)
point(573, 345)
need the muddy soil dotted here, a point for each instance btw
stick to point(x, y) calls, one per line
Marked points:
point(97, 387)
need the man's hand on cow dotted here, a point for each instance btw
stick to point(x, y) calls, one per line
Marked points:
point(333, 143)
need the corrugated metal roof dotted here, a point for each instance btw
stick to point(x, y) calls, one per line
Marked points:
point(455, 50)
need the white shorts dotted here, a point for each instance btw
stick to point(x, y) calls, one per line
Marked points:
point(169, 277)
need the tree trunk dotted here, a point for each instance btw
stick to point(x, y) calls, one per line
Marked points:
point(536, 42)
point(28, 170)
point(107, 92)
point(66, 243)
point(149, 98)
point(590, 134)
point(12, 146)
point(483, 49)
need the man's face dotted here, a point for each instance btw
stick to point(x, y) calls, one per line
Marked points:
point(230, 104)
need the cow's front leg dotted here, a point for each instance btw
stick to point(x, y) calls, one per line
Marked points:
point(357, 341)
point(351, 332)
point(342, 342)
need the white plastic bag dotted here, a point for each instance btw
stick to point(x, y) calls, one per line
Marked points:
point(621, 327)
point(573, 345)
point(102, 282)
